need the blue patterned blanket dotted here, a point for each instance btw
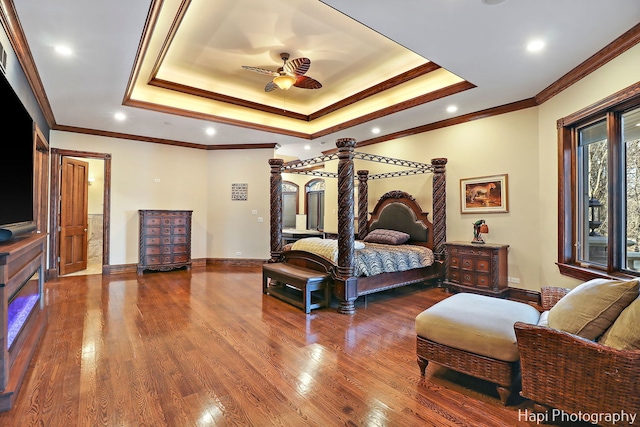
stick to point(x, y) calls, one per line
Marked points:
point(371, 258)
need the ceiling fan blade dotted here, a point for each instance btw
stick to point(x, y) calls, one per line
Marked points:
point(261, 70)
point(305, 82)
point(297, 66)
point(270, 86)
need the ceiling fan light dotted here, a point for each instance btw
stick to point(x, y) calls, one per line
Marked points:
point(284, 82)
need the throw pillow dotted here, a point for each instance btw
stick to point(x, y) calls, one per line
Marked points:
point(388, 237)
point(592, 307)
point(624, 334)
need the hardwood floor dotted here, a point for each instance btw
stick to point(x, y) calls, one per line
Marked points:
point(207, 348)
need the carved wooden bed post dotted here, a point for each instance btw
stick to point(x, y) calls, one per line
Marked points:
point(363, 203)
point(347, 287)
point(345, 283)
point(439, 206)
point(276, 208)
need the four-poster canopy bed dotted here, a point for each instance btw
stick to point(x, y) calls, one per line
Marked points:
point(396, 210)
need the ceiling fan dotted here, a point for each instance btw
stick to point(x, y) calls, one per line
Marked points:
point(290, 74)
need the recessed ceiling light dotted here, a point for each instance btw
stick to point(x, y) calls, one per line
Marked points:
point(493, 2)
point(375, 131)
point(307, 147)
point(210, 131)
point(452, 109)
point(119, 116)
point(535, 46)
point(63, 50)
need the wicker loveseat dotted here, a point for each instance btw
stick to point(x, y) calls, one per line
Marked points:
point(570, 376)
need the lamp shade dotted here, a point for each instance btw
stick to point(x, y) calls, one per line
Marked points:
point(284, 81)
point(484, 228)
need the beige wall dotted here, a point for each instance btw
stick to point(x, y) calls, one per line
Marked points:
point(135, 166)
point(232, 229)
point(155, 176)
point(614, 76)
point(505, 144)
point(522, 144)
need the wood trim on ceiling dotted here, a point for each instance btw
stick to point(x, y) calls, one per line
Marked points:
point(190, 90)
point(373, 90)
point(628, 94)
point(419, 100)
point(214, 96)
point(380, 87)
point(609, 52)
point(483, 114)
point(143, 46)
point(85, 131)
point(16, 36)
point(617, 47)
point(18, 41)
point(211, 118)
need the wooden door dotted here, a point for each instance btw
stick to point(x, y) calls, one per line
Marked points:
point(74, 207)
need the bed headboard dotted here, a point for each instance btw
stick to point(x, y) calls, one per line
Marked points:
point(397, 210)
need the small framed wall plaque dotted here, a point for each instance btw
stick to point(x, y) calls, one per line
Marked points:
point(239, 191)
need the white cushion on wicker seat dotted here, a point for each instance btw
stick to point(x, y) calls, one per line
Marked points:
point(476, 323)
point(544, 319)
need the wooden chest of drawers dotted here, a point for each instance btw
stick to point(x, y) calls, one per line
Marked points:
point(165, 240)
point(477, 268)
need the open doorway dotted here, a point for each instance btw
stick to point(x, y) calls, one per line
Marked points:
point(89, 198)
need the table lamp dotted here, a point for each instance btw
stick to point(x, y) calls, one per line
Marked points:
point(479, 227)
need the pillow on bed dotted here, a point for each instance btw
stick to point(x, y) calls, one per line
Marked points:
point(388, 237)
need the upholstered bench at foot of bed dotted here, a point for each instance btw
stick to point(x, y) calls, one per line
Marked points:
point(302, 287)
point(474, 334)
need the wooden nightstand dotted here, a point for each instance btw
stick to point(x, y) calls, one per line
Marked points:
point(476, 268)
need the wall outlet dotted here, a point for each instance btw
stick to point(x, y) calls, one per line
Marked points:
point(260, 219)
point(238, 253)
point(254, 212)
point(513, 279)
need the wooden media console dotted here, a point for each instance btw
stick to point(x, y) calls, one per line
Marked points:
point(22, 310)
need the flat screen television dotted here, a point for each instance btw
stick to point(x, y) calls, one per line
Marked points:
point(17, 166)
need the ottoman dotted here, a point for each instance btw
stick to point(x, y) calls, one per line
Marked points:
point(474, 334)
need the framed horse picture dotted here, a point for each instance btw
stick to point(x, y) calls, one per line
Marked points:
point(485, 194)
